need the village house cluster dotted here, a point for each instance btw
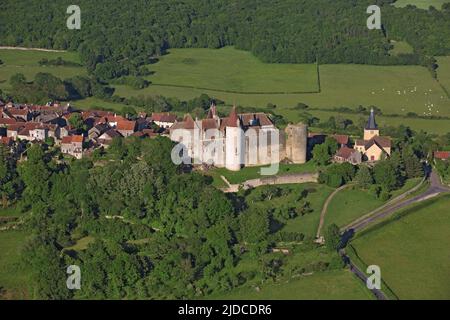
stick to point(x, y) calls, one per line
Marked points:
point(22, 124)
point(371, 148)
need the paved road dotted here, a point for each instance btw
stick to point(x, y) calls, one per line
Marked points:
point(435, 189)
point(361, 275)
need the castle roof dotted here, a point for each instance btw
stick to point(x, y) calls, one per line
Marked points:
point(212, 112)
point(233, 120)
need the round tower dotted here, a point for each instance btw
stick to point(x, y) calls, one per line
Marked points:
point(297, 142)
point(234, 142)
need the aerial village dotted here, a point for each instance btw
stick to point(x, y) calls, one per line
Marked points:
point(79, 132)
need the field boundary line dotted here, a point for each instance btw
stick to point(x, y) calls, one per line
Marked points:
point(233, 91)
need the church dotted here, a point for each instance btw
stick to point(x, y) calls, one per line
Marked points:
point(373, 147)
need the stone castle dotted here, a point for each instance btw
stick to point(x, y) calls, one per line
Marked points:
point(239, 140)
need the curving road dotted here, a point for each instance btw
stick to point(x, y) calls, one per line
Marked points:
point(435, 189)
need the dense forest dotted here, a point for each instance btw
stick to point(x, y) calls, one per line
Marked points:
point(118, 38)
point(157, 231)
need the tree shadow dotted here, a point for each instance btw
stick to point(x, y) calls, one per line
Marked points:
point(346, 237)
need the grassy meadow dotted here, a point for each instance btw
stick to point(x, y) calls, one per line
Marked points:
point(231, 70)
point(353, 203)
point(13, 277)
point(332, 285)
point(395, 89)
point(412, 250)
point(27, 62)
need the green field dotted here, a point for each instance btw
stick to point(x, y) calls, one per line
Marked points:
point(26, 62)
point(432, 126)
point(412, 251)
point(13, 279)
point(422, 4)
point(401, 47)
point(395, 89)
point(231, 70)
point(353, 203)
point(333, 285)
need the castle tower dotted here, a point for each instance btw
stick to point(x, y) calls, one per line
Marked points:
point(296, 142)
point(234, 142)
point(212, 113)
point(371, 130)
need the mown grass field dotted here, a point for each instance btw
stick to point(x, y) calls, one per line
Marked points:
point(26, 62)
point(332, 285)
point(422, 4)
point(401, 47)
point(432, 126)
point(353, 203)
point(232, 70)
point(412, 251)
point(13, 277)
point(395, 89)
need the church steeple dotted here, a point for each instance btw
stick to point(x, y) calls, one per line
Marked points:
point(371, 130)
point(371, 124)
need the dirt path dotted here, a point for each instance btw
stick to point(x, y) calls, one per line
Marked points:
point(325, 208)
point(30, 49)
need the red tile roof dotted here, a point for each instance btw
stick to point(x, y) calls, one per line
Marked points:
point(233, 119)
point(443, 155)
point(164, 117)
point(345, 152)
point(382, 142)
point(7, 121)
point(341, 139)
point(126, 125)
point(6, 140)
point(72, 139)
